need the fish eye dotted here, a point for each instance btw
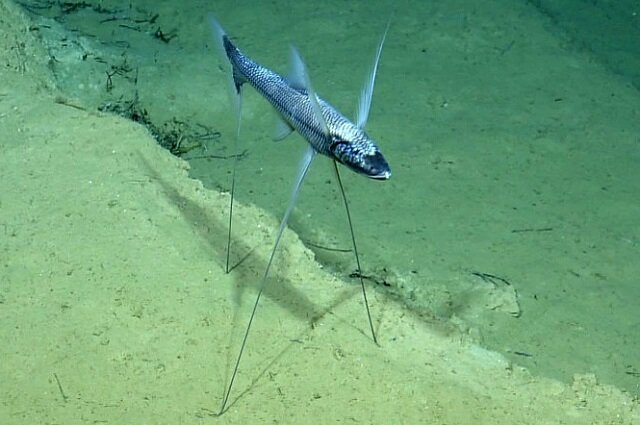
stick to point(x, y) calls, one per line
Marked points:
point(337, 142)
point(339, 148)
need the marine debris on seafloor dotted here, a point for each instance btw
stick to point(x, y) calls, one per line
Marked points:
point(94, 57)
point(178, 137)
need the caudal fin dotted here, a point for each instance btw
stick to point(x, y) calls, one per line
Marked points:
point(235, 98)
point(233, 86)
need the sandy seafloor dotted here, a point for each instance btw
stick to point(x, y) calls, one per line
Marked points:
point(515, 152)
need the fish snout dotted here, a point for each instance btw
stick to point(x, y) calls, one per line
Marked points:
point(369, 162)
point(376, 167)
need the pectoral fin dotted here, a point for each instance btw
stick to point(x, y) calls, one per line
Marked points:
point(283, 129)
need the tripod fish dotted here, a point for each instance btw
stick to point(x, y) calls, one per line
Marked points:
point(326, 130)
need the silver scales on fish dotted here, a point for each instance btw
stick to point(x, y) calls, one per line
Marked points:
point(326, 130)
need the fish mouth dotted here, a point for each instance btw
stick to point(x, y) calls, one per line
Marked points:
point(383, 175)
point(377, 167)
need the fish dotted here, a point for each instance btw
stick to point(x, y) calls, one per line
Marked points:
point(326, 131)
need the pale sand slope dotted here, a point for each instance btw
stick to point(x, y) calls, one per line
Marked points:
point(114, 307)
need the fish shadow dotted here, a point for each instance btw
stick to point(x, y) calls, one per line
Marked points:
point(214, 234)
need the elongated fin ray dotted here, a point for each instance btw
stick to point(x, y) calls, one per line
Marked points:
point(299, 78)
point(235, 97)
point(232, 191)
point(305, 164)
point(355, 249)
point(364, 103)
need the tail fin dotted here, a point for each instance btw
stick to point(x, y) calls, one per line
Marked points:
point(222, 43)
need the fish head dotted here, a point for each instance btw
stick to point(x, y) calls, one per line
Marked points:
point(354, 148)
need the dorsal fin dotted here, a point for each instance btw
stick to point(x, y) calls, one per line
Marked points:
point(299, 79)
point(297, 70)
point(364, 103)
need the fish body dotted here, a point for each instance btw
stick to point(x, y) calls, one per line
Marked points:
point(331, 133)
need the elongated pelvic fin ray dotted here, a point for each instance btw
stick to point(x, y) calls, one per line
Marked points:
point(355, 249)
point(232, 191)
point(305, 164)
point(364, 103)
point(299, 78)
